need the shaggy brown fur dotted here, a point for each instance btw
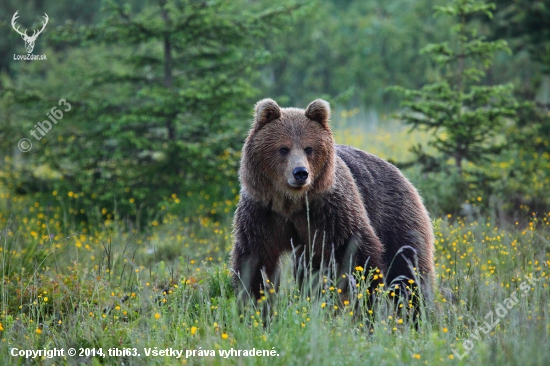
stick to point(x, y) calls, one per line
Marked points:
point(360, 205)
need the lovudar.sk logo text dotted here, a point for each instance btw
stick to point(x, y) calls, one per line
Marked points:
point(29, 40)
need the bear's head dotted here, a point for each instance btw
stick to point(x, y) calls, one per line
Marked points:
point(288, 151)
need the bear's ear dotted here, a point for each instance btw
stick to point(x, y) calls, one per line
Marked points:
point(319, 111)
point(266, 110)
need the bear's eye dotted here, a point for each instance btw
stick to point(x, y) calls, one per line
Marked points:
point(308, 150)
point(284, 150)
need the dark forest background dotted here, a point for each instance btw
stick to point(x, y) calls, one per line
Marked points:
point(161, 95)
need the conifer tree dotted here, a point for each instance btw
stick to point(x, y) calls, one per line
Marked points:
point(465, 116)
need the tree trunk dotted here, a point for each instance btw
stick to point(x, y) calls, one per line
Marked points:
point(168, 77)
point(543, 95)
point(458, 163)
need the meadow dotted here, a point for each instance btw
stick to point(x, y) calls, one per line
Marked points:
point(106, 286)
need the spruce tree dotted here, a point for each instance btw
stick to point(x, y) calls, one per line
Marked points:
point(465, 116)
point(161, 105)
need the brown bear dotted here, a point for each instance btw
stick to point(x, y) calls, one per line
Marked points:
point(361, 207)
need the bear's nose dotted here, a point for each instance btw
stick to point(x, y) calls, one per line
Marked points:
point(300, 174)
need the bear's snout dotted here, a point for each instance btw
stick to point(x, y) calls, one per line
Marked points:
point(300, 175)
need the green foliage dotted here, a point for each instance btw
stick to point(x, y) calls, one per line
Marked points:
point(525, 165)
point(466, 118)
point(147, 131)
point(160, 104)
point(527, 24)
point(349, 51)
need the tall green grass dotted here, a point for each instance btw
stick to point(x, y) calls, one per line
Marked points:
point(121, 291)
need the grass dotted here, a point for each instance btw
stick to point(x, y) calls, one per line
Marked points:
point(105, 285)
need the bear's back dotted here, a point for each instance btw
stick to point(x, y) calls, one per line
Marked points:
point(393, 205)
point(374, 175)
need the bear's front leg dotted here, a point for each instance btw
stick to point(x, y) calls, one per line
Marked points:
point(260, 237)
point(248, 273)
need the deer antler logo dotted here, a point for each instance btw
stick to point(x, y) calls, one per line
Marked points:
point(29, 41)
